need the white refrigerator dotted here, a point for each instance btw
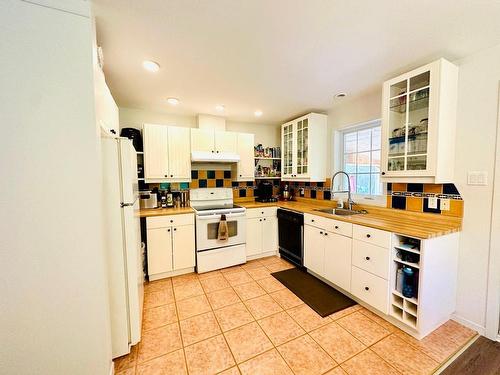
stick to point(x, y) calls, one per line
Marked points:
point(122, 236)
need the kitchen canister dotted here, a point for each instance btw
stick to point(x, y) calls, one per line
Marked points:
point(399, 280)
point(408, 282)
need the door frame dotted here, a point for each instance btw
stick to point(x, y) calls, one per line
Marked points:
point(493, 290)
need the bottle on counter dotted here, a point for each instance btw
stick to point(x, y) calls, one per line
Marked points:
point(170, 198)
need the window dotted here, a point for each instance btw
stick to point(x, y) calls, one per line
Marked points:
point(361, 158)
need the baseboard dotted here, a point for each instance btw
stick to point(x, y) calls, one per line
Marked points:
point(112, 368)
point(164, 275)
point(465, 322)
point(262, 255)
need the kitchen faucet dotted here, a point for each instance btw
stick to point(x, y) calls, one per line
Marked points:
point(350, 202)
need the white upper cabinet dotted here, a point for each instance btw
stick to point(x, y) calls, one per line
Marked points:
point(244, 170)
point(167, 154)
point(304, 145)
point(418, 124)
point(226, 141)
point(208, 140)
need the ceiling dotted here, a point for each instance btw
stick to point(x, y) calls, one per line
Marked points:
point(284, 57)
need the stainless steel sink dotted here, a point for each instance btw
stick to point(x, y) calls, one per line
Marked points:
point(341, 211)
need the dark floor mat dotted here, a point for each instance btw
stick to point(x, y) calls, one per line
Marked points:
point(319, 296)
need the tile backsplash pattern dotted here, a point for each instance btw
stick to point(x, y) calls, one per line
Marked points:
point(415, 198)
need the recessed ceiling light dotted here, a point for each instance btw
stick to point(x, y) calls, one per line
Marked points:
point(173, 101)
point(340, 95)
point(258, 113)
point(219, 108)
point(151, 66)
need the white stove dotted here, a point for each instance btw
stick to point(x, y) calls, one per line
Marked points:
point(212, 253)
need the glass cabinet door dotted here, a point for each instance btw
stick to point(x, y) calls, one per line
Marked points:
point(287, 149)
point(302, 146)
point(408, 119)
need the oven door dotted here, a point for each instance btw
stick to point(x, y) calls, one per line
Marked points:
point(207, 228)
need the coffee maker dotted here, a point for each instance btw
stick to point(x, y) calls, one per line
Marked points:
point(265, 193)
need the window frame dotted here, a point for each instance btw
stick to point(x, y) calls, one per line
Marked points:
point(369, 199)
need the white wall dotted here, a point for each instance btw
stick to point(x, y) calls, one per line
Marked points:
point(268, 135)
point(479, 77)
point(54, 314)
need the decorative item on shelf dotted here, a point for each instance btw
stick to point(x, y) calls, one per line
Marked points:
point(408, 282)
point(267, 152)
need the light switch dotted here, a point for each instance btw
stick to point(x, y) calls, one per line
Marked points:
point(433, 202)
point(477, 178)
point(445, 205)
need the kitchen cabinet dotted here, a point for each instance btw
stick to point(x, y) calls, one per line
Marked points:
point(314, 249)
point(170, 245)
point(166, 153)
point(304, 145)
point(418, 124)
point(244, 169)
point(262, 232)
point(213, 141)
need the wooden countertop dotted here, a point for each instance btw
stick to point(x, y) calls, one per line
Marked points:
point(147, 212)
point(412, 224)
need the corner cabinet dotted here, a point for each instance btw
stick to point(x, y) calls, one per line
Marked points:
point(167, 156)
point(418, 124)
point(244, 170)
point(262, 232)
point(304, 145)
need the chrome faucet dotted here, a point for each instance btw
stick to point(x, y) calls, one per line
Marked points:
point(350, 202)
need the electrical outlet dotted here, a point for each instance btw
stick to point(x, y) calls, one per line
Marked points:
point(477, 178)
point(433, 202)
point(445, 204)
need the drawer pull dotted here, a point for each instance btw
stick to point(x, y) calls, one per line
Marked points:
point(368, 235)
point(312, 220)
point(367, 258)
point(171, 221)
point(336, 227)
point(320, 232)
point(264, 219)
point(326, 234)
point(262, 212)
point(366, 288)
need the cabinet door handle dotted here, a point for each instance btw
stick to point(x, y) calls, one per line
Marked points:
point(260, 219)
point(171, 221)
point(320, 232)
point(368, 235)
point(213, 151)
point(367, 258)
point(264, 219)
point(383, 173)
point(175, 229)
point(166, 175)
point(168, 230)
point(217, 151)
point(326, 234)
point(240, 175)
point(366, 288)
point(171, 175)
point(336, 227)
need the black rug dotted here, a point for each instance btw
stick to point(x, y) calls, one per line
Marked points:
point(319, 296)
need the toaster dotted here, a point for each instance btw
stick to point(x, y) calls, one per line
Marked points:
point(148, 199)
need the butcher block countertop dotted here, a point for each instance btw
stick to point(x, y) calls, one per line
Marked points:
point(148, 212)
point(412, 224)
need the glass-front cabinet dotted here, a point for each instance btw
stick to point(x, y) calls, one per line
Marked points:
point(418, 123)
point(303, 144)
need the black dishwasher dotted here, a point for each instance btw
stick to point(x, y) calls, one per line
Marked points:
point(291, 236)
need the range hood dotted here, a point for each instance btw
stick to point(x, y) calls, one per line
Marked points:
point(214, 157)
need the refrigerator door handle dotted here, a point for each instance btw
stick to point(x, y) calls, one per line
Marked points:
point(126, 204)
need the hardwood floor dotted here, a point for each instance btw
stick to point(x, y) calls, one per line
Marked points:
point(481, 358)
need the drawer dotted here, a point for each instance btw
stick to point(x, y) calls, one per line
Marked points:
point(371, 235)
point(330, 225)
point(316, 221)
point(261, 212)
point(169, 221)
point(371, 258)
point(370, 288)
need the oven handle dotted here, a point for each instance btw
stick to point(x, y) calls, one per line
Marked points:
point(217, 217)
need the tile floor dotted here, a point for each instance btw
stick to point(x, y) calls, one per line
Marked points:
point(241, 320)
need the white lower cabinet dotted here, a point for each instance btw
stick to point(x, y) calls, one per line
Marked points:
point(372, 289)
point(262, 232)
point(314, 249)
point(338, 260)
point(170, 247)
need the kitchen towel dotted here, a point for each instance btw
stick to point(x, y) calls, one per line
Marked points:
point(222, 233)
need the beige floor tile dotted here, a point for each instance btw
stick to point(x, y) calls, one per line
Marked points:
point(126, 361)
point(198, 328)
point(186, 278)
point(233, 316)
point(368, 363)
point(208, 275)
point(159, 341)
point(249, 290)
point(169, 364)
point(344, 312)
point(278, 266)
point(305, 356)
point(436, 345)
point(214, 283)
point(129, 371)
point(337, 342)
point(269, 260)
point(262, 306)
point(231, 269)
point(307, 318)
point(456, 332)
point(247, 341)
point(270, 284)
point(222, 298)
point(238, 277)
point(280, 328)
point(377, 319)
point(209, 356)
point(286, 299)
point(190, 288)
point(159, 316)
point(155, 286)
point(259, 272)
point(404, 357)
point(158, 298)
point(363, 328)
point(231, 371)
point(268, 363)
point(193, 306)
point(251, 264)
point(336, 371)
